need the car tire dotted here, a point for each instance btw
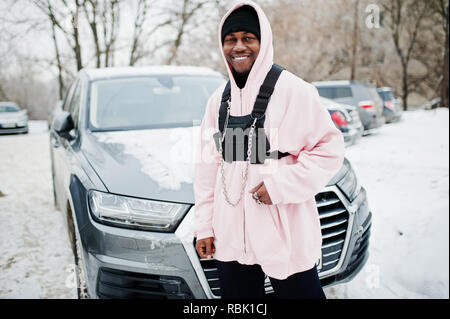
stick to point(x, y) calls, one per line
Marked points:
point(75, 242)
point(82, 290)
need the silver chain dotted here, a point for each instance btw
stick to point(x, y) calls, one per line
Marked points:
point(249, 152)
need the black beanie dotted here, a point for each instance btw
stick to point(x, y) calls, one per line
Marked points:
point(244, 18)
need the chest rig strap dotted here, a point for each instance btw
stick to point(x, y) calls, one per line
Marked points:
point(258, 112)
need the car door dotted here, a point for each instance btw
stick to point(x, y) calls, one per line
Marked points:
point(56, 150)
point(69, 146)
point(63, 145)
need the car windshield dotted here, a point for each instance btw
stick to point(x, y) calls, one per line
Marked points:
point(150, 101)
point(373, 94)
point(386, 95)
point(9, 108)
point(335, 92)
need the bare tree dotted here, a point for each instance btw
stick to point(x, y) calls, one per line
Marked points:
point(27, 88)
point(90, 8)
point(56, 14)
point(441, 9)
point(110, 21)
point(141, 13)
point(316, 46)
point(103, 19)
point(183, 18)
point(143, 32)
point(58, 64)
point(404, 19)
point(355, 40)
point(204, 35)
point(316, 39)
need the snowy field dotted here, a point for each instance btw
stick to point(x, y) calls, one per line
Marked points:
point(35, 254)
point(404, 169)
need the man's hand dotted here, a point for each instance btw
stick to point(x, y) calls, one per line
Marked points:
point(263, 195)
point(205, 247)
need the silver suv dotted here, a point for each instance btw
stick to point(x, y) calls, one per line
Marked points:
point(363, 96)
point(130, 208)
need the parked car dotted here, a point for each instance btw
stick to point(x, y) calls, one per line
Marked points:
point(433, 104)
point(122, 167)
point(392, 108)
point(12, 118)
point(362, 96)
point(346, 119)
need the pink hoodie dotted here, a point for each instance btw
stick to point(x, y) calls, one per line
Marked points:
point(284, 238)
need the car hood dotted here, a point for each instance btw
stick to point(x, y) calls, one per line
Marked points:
point(154, 163)
point(11, 115)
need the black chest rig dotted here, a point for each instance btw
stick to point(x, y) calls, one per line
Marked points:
point(235, 143)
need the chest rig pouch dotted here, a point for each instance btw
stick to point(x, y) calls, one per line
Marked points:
point(235, 143)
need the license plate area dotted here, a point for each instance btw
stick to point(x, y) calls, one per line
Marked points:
point(8, 125)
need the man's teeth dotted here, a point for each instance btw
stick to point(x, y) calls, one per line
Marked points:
point(240, 58)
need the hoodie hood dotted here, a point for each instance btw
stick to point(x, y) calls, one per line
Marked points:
point(264, 61)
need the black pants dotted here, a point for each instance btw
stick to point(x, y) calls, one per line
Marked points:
point(239, 281)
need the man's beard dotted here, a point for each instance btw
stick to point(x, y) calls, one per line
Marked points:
point(241, 78)
point(241, 74)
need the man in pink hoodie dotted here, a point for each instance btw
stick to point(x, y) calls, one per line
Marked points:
point(257, 219)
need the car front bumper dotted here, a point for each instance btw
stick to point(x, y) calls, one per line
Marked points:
point(11, 130)
point(124, 263)
point(391, 115)
point(371, 120)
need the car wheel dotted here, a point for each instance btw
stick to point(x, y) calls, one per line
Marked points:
point(75, 242)
point(81, 276)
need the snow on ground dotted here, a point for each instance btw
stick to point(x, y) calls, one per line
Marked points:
point(35, 255)
point(404, 169)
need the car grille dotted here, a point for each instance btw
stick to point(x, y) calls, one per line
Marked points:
point(360, 248)
point(359, 253)
point(120, 284)
point(334, 224)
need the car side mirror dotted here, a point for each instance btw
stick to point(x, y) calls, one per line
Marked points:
point(63, 124)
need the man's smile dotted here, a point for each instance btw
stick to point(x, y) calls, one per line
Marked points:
point(240, 58)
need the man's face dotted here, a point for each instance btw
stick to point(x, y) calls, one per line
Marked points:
point(241, 50)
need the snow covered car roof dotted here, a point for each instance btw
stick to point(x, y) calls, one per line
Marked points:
point(385, 88)
point(330, 104)
point(8, 103)
point(102, 73)
point(331, 83)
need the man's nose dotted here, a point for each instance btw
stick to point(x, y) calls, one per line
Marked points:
point(239, 45)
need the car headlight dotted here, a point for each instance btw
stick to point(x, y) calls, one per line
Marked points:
point(349, 184)
point(22, 121)
point(136, 213)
